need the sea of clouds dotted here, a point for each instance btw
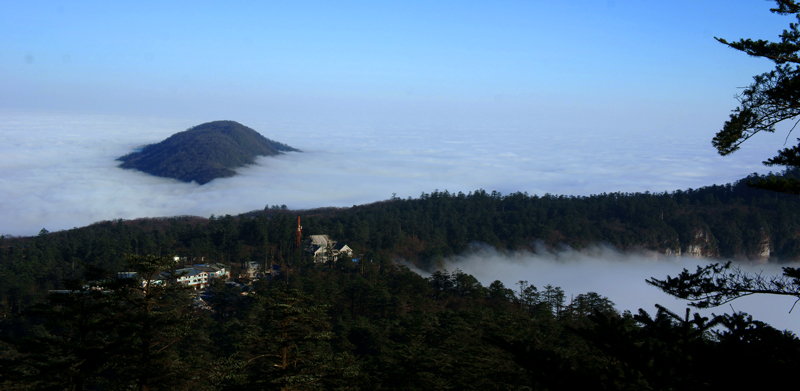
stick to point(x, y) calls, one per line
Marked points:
point(620, 276)
point(58, 171)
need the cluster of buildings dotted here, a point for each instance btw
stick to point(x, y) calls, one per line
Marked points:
point(199, 276)
point(195, 276)
point(325, 249)
point(320, 246)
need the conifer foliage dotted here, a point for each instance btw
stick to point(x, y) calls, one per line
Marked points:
point(717, 284)
point(376, 326)
point(773, 97)
point(107, 334)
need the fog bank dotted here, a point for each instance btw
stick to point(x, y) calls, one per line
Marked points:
point(620, 276)
point(58, 170)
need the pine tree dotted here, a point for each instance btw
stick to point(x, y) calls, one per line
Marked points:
point(71, 347)
point(773, 97)
point(154, 315)
point(286, 343)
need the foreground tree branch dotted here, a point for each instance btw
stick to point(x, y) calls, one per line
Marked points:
point(716, 284)
point(773, 97)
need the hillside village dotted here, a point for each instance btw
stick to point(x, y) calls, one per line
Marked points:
point(197, 276)
point(321, 247)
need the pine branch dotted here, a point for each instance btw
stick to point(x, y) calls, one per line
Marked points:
point(715, 285)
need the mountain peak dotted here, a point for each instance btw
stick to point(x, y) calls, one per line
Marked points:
point(204, 152)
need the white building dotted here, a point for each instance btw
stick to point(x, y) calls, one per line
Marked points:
point(196, 276)
point(192, 277)
point(322, 247)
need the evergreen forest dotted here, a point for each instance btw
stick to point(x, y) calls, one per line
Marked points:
point(370, 323)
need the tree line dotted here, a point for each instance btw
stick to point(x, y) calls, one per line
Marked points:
point(731, 221)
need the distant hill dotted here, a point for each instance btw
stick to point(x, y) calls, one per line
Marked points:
point(203, 153)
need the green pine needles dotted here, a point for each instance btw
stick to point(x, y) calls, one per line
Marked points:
point(773, 97)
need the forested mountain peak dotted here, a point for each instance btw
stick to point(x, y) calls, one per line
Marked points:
point(204, 152)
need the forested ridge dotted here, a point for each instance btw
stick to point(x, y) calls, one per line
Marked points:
point(730, 221)
point(372, 324)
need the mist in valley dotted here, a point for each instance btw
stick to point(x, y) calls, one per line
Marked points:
point(618, 275)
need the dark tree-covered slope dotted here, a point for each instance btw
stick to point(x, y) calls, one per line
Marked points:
point(372, 325)
point(203, 153)
point(732, 221)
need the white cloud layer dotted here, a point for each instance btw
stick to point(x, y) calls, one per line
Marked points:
point(618, 276)
point(57, 171)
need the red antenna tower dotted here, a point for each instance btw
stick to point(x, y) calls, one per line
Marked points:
point(299, 232)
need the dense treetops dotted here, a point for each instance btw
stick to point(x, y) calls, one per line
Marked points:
point(204, 152)
point(373, 324)
point(730, 221)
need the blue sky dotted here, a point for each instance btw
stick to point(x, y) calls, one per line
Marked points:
point(498, 61)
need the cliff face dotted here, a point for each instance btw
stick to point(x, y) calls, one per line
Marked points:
point(701, 246)
point(764, 248)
